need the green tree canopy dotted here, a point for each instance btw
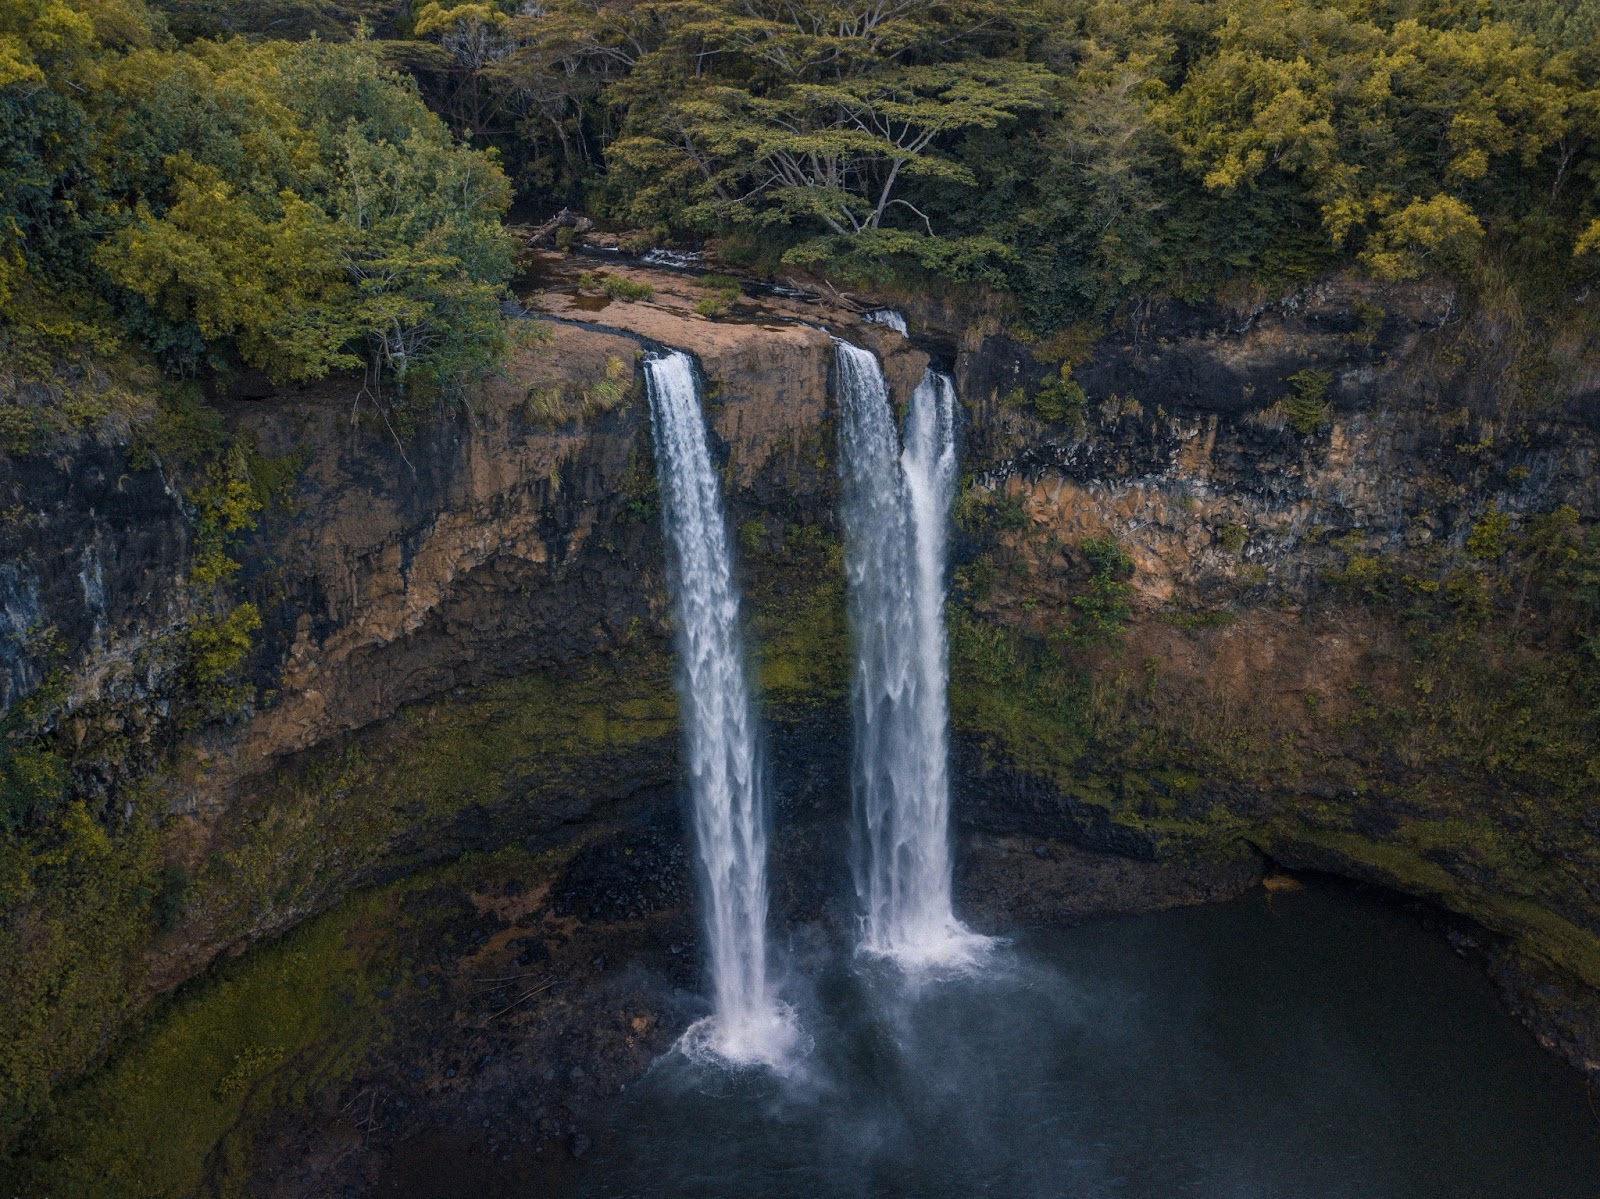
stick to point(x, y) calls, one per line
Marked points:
point(294, 207)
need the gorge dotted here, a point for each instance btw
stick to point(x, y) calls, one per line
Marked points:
point(459, 781)
point(800, 598)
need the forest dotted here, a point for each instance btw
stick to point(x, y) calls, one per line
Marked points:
point(1267, 334)
point(307, 187)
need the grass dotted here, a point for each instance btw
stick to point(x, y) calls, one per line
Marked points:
point(614, 287)
point(551, 404)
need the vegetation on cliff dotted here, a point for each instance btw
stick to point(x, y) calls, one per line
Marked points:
point(187, 193)
point(83, 898)
point(290, 207)
point(1458, 762)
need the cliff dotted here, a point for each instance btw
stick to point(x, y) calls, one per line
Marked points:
point(1289, 577)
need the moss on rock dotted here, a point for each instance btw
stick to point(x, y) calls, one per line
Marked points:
point(176, 1110)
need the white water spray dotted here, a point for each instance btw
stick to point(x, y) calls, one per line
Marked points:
point(749, 1025)
point(895, 507)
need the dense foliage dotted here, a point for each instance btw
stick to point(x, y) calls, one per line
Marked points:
point(292, 207)
point(1096, 151)
point(1078, 152)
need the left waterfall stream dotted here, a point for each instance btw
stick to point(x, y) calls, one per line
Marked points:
point(749, 1025)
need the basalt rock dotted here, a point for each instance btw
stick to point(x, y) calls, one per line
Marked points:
point(464, 643)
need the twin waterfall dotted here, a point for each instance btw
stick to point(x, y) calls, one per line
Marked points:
point(895, 507)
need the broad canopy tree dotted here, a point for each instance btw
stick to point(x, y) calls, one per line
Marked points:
point(831, 151)
point(810, 112)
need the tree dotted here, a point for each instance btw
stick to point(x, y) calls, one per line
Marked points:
point(326, 219)
point(1363, 114)
point(264, 274)
point(790, 112)
point(474, 37)
point(421, 244)
point(833, 152)
point(1438, 232)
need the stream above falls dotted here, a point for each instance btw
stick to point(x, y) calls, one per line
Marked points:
point(1315, 1044)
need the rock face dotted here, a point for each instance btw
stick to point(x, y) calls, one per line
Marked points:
point(89, 548)
point(463, 641)
point(386, 560)
point(1328, 649)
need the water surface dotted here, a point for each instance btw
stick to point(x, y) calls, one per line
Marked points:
point(1310, 1045)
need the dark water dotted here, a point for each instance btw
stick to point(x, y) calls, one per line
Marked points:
point(1315, 1045)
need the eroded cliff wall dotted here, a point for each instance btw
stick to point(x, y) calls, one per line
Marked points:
point(1283, 576)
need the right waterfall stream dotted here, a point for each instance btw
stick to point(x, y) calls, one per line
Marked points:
point(895, 507)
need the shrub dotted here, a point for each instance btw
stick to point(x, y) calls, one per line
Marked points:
point(1061, 398)
point(1305, 408)
point(1101, 611)
point(618, 288)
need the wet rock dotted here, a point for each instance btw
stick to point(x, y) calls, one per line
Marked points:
point(1005, 882)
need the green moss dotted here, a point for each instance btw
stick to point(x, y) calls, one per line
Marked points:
point(174, 1110)
point(804, 647)
point(147, 1124)
point(74, 961)
point(88, 892)
point(1016, 694)
point(505, 748)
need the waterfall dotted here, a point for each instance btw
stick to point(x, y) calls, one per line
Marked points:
point(748, 1025)
point(895, 508)
point(891, 317)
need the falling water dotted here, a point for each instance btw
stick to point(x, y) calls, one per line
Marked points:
point(748, 1025)
point(891, 317)
point(895, 508)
